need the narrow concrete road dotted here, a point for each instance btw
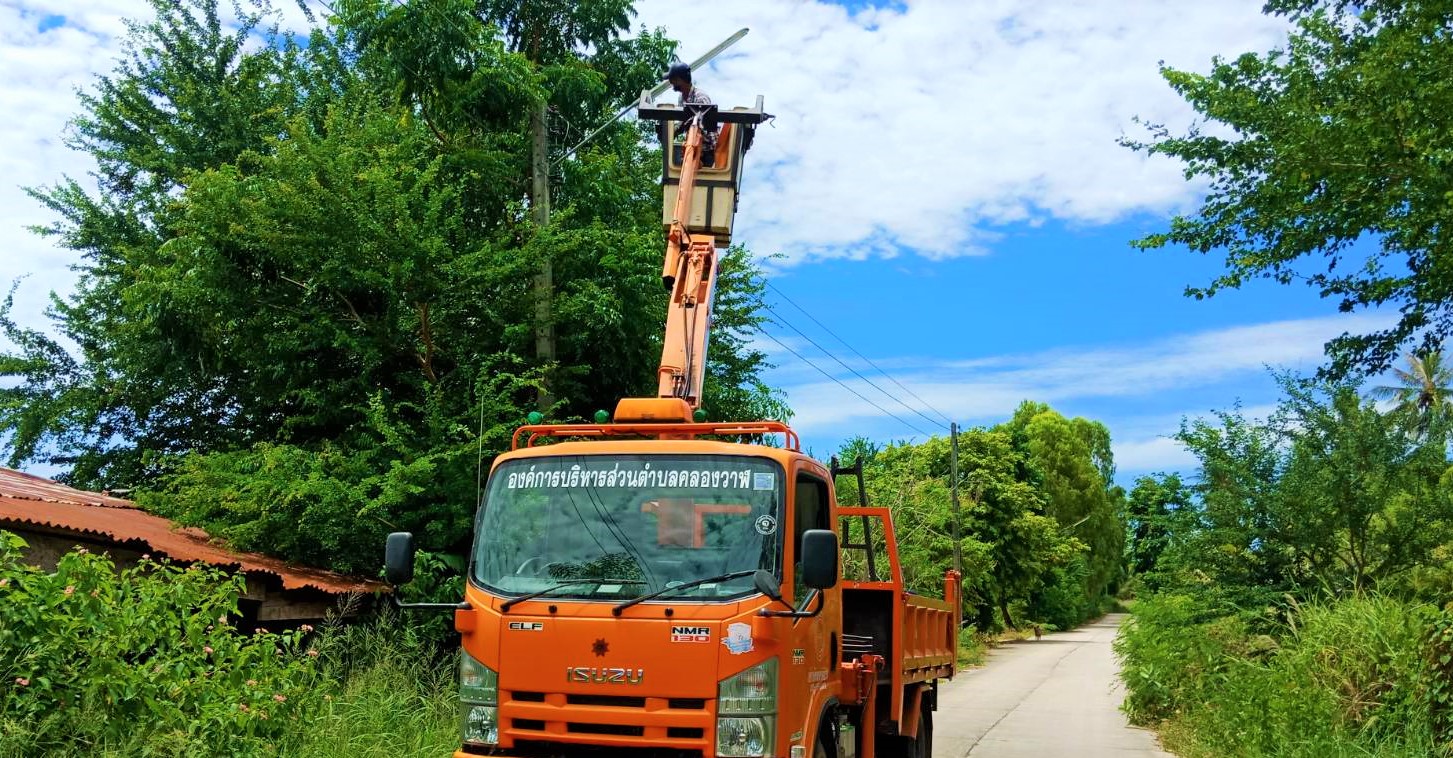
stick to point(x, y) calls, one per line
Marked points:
point(1056, 696)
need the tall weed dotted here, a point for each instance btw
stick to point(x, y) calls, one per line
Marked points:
point(1350, 678)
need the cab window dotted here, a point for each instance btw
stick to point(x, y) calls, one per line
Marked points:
point(812, 509)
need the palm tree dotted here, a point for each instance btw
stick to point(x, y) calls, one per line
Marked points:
point(1424, 396)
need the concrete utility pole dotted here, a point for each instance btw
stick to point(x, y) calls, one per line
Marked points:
point(953, 435)
point(545, 275)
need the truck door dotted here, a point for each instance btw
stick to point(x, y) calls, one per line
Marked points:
point(814, 640)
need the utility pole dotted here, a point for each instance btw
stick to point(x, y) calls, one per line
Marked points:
point(953, 436)
point(545, 274)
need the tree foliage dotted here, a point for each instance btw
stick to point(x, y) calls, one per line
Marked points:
point(1033, 504)
point(304, 314)
point(1329, 496)
point(1328, 160)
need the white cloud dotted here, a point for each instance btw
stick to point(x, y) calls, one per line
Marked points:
point(991, 387)
point(1196, 372)
point(927, 125)
point(1160, 453)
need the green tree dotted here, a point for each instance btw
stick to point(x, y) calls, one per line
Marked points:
point(1007, 514)
point(306, 310)
point(1327, 497)
point(1329, 163)
point(1424, 394)
point(1153, 511)
point(1071, 458)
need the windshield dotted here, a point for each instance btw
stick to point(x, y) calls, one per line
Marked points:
point(629, 525)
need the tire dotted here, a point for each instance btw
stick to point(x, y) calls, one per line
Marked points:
point(901, 746)
point(826, 743)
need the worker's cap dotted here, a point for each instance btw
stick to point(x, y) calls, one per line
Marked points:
point(679, 71)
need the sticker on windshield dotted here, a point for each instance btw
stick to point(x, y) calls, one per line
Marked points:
point(765, 524)
point(636, 476)
point(738, 639)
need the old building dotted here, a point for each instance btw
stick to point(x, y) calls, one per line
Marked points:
point(55, 519)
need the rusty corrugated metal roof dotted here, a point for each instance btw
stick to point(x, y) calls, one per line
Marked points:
point(27, 499)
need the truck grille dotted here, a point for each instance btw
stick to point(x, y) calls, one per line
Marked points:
point(613, 701)
point(591, 724)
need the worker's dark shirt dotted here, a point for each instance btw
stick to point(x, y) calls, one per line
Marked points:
point(708, 136)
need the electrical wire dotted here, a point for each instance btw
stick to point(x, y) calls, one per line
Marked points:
point(854, 350)
point(854, 371)
point(840, 383)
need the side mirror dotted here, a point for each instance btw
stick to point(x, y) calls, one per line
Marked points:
point(766, 584)
point(819, 558)
point(398, 558)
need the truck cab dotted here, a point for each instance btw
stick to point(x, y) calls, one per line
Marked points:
point(589, 529)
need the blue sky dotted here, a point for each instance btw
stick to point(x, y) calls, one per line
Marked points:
point(942, 185)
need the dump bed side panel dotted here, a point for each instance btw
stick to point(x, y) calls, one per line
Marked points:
point(930, 643)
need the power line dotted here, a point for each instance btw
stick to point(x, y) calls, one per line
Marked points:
point(840, 383)
point(854, 350)
point(844, 364)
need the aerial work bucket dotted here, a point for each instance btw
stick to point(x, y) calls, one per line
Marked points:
point(718, 178)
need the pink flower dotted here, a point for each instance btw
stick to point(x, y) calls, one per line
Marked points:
point(259, 630)
point(146, 556)
point(251, 682)
point(70, 590)
point(83, 551)
point(22, 681)
point(207, 649)
point(96, 593)
point(280, 697)
point(312, 653)
point(4, 582)
point(306, 628)
point(243, 707)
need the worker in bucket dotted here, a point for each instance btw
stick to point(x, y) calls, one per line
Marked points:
point(680, 78)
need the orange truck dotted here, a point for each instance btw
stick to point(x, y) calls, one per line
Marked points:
point(657, 584)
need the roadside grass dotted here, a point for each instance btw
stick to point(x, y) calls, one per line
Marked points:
point(394, 694)
point(1347, 678)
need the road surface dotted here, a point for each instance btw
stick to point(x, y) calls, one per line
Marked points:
point(1049, 697)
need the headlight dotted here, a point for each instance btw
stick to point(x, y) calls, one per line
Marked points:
point(479, 724)
point(744, 735)
point(747, 711)
point(478, 698)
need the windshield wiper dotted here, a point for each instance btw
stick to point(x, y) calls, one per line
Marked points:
point(616, 611)
point(512, 602)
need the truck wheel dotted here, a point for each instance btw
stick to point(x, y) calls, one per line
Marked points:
point(901, 746)
point(826, 742)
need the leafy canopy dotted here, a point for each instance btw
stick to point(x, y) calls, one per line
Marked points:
point(1330, 161)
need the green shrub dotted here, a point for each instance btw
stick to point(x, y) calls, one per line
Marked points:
point(1347, 678)
point(1173, 650)
point(139, 661)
